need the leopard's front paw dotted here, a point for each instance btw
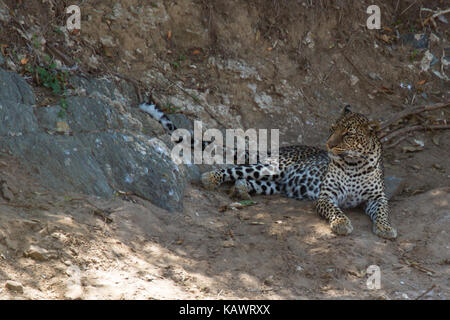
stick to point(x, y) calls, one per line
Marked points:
point(384, 231)
point(211, 180)
point(341, 226)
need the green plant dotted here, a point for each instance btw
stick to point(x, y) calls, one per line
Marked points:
point(47, 75)
point(413, 55)
point(58, 30)
point(177, 63)
point(35, 40)
point(63, 104)
point(171, 109)
point(195, 98)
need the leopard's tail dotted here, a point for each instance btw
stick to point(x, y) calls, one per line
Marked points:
point(156, 113)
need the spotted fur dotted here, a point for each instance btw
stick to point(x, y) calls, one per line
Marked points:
point(347, 174)
point(157, 114)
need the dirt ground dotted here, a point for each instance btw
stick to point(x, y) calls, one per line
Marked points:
point(90, 248)
point(74, 246)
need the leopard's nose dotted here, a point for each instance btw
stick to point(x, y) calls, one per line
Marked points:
point(330, 144)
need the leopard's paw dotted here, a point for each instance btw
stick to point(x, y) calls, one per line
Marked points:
point(384, 231)
point(341, 226)
point(211, 180)
point(240, 190)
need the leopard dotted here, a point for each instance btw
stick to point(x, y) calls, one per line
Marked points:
point(347, 173)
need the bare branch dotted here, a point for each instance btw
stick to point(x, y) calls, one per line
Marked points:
point(406, 130)
point(407, 113)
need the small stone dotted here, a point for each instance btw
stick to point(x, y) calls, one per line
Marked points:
point(393, 186)
point(108, 41)
point(37, 253)
point(74, 290)
point(417, 41)
point(6, 193)
point(62, 127)
point(420, 41)
point(228, 244)
point(434, 38)
point(309, 41)
point(268, 281)
point(353, 80)
point(426, 61)
point(14, 286)
point(407, 246)
point(374, 76)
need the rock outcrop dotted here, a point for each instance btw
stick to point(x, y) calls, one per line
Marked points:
point(100, 143)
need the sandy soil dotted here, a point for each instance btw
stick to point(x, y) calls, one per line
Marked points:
point(80, 247)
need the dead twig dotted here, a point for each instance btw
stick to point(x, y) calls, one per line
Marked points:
point(407, 8)
point(410, 112)
point(393, 144)
point(419, 267)
point(434, 16)
point(67, 60)
point(25, 206)
point(306, 97)
point(357, 70)
point(102, 213)
point(426, 291)
point(385, 138)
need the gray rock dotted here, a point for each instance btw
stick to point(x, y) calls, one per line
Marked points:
point(4, 12)
point(36, 253)
point(14, 286)
point(16, 118)
point(143, 166)
point(102, 152)
point(374, 76)
point(6, 193)
point(60, 162)
point(417, 41)
point(14, 88)
point(393, 186)
point(83, 114)
point(104, 87)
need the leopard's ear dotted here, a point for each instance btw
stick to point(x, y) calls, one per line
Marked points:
point(346, 109)
point(373, 126)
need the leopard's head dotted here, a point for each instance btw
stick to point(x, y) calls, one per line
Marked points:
point(353, 136)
